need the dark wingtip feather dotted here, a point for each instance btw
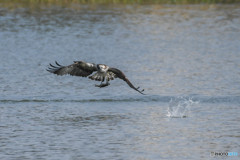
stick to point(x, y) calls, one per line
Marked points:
point(58, 64)
point(137, 89)
point(52, 65)
point(49, 70)
point(140, 91)
point(53, 69)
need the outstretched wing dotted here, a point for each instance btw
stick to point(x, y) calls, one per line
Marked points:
point(121, 75)
point(78, 68)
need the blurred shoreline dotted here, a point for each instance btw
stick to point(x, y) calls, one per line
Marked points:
point(93, 4)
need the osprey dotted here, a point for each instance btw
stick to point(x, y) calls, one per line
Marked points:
point(102, 72)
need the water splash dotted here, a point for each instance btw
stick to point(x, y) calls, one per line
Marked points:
point(180, 107)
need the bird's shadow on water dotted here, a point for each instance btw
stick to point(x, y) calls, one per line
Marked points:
point(92, 120)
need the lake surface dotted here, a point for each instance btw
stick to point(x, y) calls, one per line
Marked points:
point(186, 57)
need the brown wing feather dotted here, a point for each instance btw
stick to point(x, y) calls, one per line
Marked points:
point(122, 76)
point(78, 68)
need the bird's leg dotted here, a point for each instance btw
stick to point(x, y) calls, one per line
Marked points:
point(99, 85)
point(103, 84)
point(106, 84)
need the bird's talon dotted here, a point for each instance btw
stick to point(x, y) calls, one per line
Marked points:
point(97, 85)
point(102, 85)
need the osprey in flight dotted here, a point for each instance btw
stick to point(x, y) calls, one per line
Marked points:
point(83, 69)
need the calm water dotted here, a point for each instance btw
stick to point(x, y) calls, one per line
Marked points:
point(186, 57)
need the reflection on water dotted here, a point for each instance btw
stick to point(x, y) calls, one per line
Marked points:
point(172, 51)
point(91, 120)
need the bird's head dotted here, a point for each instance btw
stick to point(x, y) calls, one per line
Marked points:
point(102, 67)
point(78, 62)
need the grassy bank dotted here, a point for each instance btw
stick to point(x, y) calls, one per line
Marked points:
point(119, 1)
point(34, 4)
